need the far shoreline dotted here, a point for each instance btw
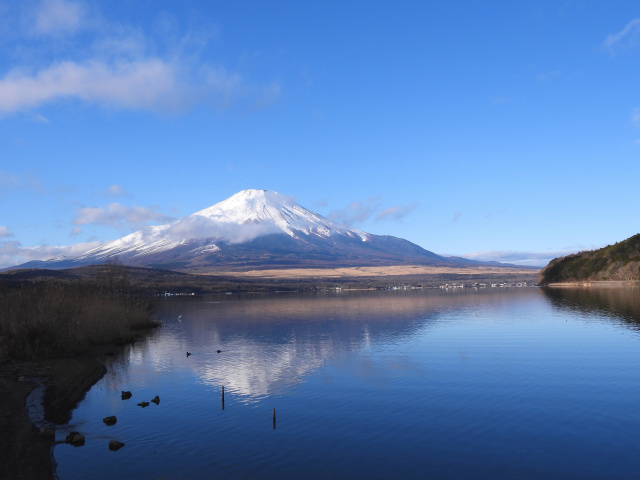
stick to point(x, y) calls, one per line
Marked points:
point(593, 283)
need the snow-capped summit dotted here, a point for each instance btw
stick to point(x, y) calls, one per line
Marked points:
point(273, 209)
point(253, 229)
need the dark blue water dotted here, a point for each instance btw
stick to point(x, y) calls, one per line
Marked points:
point(496, 383)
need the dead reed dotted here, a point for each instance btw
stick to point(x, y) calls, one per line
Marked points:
point(54, 319)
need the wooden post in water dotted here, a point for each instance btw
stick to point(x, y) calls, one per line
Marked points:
point(274, 418)
point(223, 397)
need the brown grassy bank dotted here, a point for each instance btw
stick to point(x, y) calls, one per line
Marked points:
point(53, 319)
point(54, 330)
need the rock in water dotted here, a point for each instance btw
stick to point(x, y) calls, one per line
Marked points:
point(76, 439)
point(126, 395)
point(115, 445)
point(156, 400)
point(110, 420)
point(143, 404)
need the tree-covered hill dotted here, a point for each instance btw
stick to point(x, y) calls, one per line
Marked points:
point(615, 262)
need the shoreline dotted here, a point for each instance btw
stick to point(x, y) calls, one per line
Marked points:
point(594, 283)
point(24, 452)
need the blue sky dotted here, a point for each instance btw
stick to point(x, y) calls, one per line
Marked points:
point(494, 130)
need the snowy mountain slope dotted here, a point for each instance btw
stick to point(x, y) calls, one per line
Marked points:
point(252, 229)
point(241, 218)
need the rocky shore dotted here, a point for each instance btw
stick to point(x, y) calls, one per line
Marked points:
point(25, 452)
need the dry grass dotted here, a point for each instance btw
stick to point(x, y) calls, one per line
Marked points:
point(396, 270)
point(53, 319)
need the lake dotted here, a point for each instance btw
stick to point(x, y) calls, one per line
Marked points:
point(489, 383)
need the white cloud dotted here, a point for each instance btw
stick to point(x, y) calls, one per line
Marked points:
point(115, 191)
point(13, 253)
point(37, 117)
point(118, 67)
point(55, 17)
point(357, 212)
point(397, 212)
point(197, 227)
point(11, 181)
point(151, 84)
point(625, 38)
point(116, 215)
point(4, 232)
point(362, 211)
point(635, 115)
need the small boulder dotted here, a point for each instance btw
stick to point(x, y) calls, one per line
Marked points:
point(156, 400)
point(143, 404)
point(110, 420)
point(76, 439)
point(126, 395)
point(115, 445)
point(219, 351)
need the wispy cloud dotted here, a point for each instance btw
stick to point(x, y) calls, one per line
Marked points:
point(4, 232)
point(38, 117)
point(119, 68)
point(397, 212)
point(197, 227)
point(357, 212)
point(12, 181)
point(151, 84)
point(57, 17)
point(116, 215)
point(456, 216)
point(13, 253)
point(628, 37)
point(115, 191)
point(370, 209)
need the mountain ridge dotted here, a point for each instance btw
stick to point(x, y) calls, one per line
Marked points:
point(617, 262)
point(254, 229)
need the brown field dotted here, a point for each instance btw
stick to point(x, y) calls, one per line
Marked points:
point(395, 271)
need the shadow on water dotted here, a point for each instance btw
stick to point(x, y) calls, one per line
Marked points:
point(621, 304)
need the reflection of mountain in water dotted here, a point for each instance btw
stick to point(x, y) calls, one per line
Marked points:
point(622, 304)
point(268, 342)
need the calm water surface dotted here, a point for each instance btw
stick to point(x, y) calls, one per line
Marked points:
point(496, 383)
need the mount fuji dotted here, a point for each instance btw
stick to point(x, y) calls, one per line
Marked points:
point(253, 229)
